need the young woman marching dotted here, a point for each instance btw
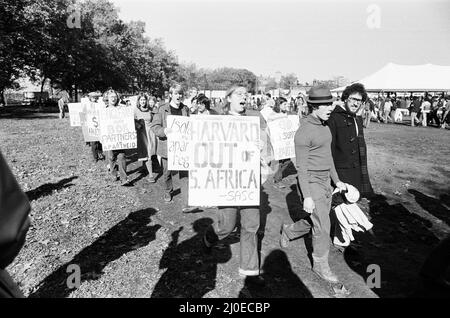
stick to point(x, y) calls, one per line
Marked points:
point(146, 139)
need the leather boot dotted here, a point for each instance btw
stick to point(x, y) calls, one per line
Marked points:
point(322, 269)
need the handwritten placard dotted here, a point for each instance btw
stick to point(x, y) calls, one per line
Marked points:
point(224, 161)
point(117, 129)
point(90, 121)
point(282, 132)
point(178, 142)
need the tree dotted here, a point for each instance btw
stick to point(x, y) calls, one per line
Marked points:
point(288, 81)
point(17, 34)
point(271, 84)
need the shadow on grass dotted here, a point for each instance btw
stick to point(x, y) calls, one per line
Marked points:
point(433, 206)
point(191, 273)
point(435, 273)
point(130, 234)
point(281, 281)
point(48, 188)
point(400, 243)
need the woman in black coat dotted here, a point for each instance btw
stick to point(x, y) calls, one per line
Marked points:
point(348, 145)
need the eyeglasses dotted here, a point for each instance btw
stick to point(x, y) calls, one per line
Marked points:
point(359, 100)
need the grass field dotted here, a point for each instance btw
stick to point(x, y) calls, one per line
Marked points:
point(128, 243)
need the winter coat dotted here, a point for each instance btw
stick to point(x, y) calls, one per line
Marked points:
point(159, 123)
point(349, 150)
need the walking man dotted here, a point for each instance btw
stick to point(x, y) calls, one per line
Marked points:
point(315, 167)
point(348, 145)
point(159, 127)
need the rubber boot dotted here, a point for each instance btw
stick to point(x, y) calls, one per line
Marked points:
point(322, 269)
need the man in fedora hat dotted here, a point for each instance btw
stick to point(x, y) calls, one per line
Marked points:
point(315, 167)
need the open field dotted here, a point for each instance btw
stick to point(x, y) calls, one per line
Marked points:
point(129, 243)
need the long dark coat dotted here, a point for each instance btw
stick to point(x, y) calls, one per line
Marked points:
point(349, 150)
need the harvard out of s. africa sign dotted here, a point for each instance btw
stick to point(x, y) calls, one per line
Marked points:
point(117, 130)
point(224, 167)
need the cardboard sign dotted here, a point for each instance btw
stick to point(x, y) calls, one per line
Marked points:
point(282, 132)
point(117, 129)
point(74, 114)
point(224, 165)
point(90, 122)
point(178, 141)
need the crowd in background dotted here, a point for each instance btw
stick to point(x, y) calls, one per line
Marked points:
point(426, 110)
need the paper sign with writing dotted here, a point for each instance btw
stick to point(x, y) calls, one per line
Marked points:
point(117, 129)
point(225, 161)
point(282, 132)
point(90, 122)
point(178, 141)
point(74, 114)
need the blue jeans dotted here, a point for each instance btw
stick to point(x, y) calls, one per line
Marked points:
point(249, 259)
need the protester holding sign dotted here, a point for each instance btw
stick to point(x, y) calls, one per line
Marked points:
point(249, 215)
point(116, 158)
point(96, 146)
point(159, 127)
point(146, 139)
point(282, 108)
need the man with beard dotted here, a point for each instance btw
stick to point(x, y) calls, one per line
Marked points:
point(348, 145)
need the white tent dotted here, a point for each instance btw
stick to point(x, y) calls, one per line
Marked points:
point(395, 77)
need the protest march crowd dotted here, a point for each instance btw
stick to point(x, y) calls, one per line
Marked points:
point(229, 155)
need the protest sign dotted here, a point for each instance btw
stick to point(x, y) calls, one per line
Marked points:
point(74, 114)
point(90, 122)
point(224, 161)
point(117, 129)
point(178, 142)
point(282, 132)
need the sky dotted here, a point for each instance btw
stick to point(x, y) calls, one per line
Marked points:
point(313, 39)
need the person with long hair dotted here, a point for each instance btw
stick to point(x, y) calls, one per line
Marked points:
point(249, 267)
point(116, 158)
point(146, 139)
